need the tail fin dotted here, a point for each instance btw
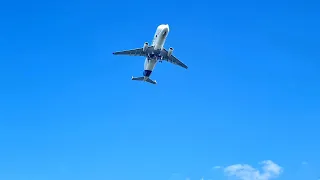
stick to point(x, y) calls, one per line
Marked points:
point(143, 78)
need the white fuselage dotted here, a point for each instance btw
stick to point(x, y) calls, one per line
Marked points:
point(158, 43)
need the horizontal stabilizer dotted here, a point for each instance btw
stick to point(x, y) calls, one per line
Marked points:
point(144, 79)
point(151, 81)
point(137, 78)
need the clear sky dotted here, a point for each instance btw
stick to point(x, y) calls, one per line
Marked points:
point(69, 109)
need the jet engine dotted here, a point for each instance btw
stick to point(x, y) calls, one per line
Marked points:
point(145, 46)
point(170, 51)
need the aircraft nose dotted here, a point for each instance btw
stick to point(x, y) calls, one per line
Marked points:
point(165, 29)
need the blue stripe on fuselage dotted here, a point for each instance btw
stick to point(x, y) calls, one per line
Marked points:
point(147, 73)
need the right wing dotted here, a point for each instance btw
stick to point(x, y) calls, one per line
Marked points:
point(134, 52)
point(172, 59)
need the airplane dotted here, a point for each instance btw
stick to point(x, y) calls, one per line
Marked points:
point(154, 53)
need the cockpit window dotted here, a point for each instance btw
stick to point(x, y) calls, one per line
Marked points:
point(165, 33)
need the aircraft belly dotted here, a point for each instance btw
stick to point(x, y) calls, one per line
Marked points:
point(159, 44)
point(149, 65)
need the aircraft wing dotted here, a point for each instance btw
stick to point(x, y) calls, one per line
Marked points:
point(134, 52)
point(131, 52)
point(172, 59)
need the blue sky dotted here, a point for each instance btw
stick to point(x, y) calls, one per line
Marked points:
point(69, 110)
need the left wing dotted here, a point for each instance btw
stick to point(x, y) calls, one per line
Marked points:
point(134, 52)
point(131, 52)
point(172, 59)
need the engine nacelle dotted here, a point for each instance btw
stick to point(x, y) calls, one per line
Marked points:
point(170, 51)
point(145, 46)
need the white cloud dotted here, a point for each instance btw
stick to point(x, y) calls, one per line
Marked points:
point(270, 170)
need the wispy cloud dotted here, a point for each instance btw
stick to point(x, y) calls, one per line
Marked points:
point(270, 170)
point(217, 167)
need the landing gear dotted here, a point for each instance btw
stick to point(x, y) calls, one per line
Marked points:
point(153, 56)
point(160, 58)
